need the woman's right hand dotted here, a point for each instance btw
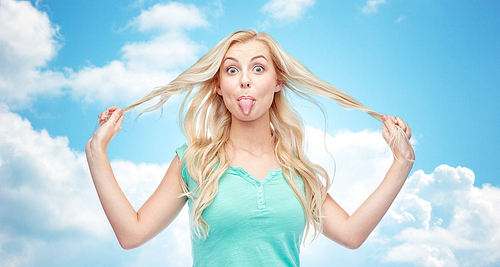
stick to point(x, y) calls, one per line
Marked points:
point(110, 123)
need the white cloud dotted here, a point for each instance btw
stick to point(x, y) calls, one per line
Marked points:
point(171, 16)
point(48, 202)
point(400, 19)
point(38, 169)
point(45, 191)
point(351, 150)
point(21, 27)
point(371, 6)
point(142, 67)
point(438, 219)
point(464, 226)
point(287, 10)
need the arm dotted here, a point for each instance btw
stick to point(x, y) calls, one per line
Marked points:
point(352, 231)
point(131, 228)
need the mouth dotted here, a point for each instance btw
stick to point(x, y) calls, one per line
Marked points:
point(246, 103)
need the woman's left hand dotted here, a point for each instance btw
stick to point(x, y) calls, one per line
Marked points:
point(400, 146)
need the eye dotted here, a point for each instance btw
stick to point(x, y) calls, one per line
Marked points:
point(231, 70)
point(258, 69)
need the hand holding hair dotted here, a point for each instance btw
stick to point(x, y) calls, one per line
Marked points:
point(397, 134)
point(110, 123)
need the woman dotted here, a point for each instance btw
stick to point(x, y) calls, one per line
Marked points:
point(251, 191)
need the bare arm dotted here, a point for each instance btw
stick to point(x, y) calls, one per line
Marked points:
point(352, 231)
point(131, 228)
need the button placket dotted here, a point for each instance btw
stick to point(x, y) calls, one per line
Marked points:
point(261, 201)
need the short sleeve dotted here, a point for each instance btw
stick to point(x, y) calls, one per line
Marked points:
point(184, 172)
point(180, 152)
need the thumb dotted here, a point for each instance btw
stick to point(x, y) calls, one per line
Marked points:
point(117, 119)
point(116, 115)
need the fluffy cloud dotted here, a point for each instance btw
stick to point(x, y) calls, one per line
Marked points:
point(438, 219)
point(36, 168)
point(285, 10)
point(453, 223)
point(371, 6)
point(21, 72)
point(142, 66)
point(48, 202)
point(45, 192)
point(350, 151)
point(171, 16)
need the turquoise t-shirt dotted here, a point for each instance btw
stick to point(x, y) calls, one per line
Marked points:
point(252, 222)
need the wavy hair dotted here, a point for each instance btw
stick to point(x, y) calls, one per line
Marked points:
point(207, 122)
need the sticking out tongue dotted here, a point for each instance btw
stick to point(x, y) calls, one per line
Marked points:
point(246, 105)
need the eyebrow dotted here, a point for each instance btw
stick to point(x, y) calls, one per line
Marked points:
point(254, 58)
point(259, 56)
point(231, 58)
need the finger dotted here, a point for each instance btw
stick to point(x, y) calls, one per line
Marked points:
point(120, 121)
point(388, 127)
point(103, 117)
point(116, 115)
point(389, 122)
point(401, 123)
point(112, 109)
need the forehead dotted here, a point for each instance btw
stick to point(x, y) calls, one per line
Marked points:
point(248, 49)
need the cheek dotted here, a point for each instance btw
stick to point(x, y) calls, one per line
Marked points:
point(224, 86)
point(266, 86)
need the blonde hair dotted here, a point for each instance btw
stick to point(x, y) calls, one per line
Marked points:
point(207, 122)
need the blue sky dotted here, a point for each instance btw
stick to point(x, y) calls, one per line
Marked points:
point(434, 63)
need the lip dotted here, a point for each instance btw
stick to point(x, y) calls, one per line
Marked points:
point(245, 97)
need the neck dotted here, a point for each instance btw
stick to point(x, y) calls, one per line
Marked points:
point(252, 136)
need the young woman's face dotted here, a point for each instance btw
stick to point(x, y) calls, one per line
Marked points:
point(247, 80)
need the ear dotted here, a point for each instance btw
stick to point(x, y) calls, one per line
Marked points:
point(279, 85)
point(217, 86)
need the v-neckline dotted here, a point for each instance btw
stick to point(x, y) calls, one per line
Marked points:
point(243, 173)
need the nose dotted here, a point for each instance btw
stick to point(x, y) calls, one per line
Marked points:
point(245, 82)
point(245, 85)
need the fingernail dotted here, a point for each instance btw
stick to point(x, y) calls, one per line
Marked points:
point(384, 117)
point(120, 111)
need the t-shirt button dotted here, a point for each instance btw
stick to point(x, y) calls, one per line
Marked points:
point(258, 183)
point(272, 173)
point(260, 191)
point(261, 200)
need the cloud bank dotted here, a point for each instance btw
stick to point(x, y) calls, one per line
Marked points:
point(444, 220)
point(438, 219)
point(22, 72)
point(48, 204)
point(142, 66)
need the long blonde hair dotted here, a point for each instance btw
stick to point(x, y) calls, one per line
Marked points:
point(207, 122)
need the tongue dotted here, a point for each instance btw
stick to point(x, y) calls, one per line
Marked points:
point(246, 105)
